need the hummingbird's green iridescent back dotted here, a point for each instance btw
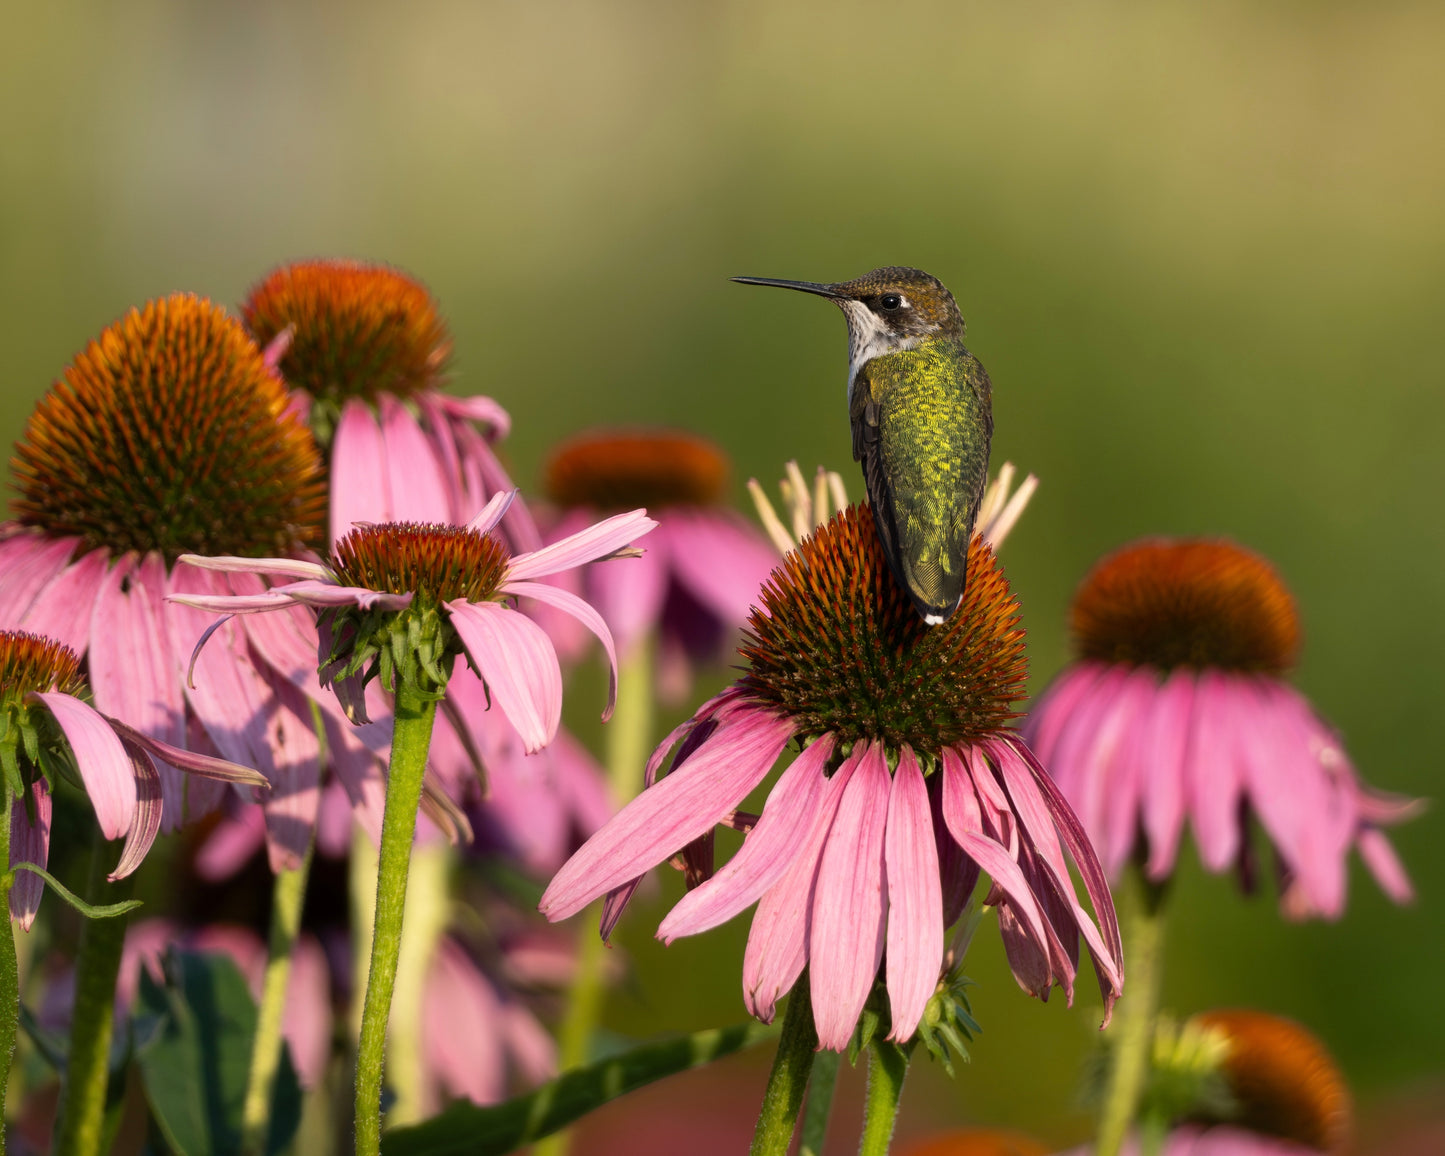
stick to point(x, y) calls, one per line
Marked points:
point(922, 423)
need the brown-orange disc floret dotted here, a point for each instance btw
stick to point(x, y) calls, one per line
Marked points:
point(32, 662)
point(169, 433)
point(838, 646)
point(637, 469)
point(1187, 602)
point(438, 563)
point(1283, 1080)
point(356, 329)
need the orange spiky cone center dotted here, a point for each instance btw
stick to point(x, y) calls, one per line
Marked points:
point(169, 433)
point(437, 562)
point(31, 662)
point(631, 470)
point(1190, 602)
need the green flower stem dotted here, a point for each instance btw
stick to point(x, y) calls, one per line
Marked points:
point(1134, 1017)
point(820, 1103)
point(9, 969)
point(887, 1067)
point(788, 1079)
point(288, 898)
point(80, 1123)
point(629, 736)
point(411, 738)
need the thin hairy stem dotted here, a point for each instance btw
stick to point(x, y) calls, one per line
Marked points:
point(788, 1080)
point(887, 1067)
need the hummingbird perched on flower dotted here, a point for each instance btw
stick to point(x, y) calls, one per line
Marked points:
point(922, 413)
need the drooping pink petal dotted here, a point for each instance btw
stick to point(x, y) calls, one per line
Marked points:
point(1213, 774)
point(461, 1027)
point(767, 852)
point(1166, 747)
point(28, 563)
point(62, 610)
point(915, 899)
point(231, 844)
point(291, 567)
point(29, 843)
point(1385, 865)
point(516, 660)
point(147, 820)
point(721, 559)
point(1102, 774)
point(295, 793)
point(235, 604)
point(1119, 811)
point(629, 592)
point(135, 673)
point(104, 765)
point(360, 774)
point(1048, 717)
point(663, 819)
point(359, 490)
point(957, 873)
point(413, 474)
point(606, 537)
point(306, 1019)
point(1079, 736)
point(476, 408)
point(585, 614)
point(778, 940)
point(581, 782)
point(532, 1049)
point(845, 941)
point(194, 762)
point(324, 594)
point(482, 474)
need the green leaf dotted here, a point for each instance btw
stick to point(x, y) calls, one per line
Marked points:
point(465, 1129)
point(90, 911)
point(199, 1028)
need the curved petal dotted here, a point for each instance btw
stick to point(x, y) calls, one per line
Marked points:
point(629, 592)
point(915, 899)
point(766, 854)
point(293, 567)
point(1385, 865)
point(721, 559)
point(147, 821)
point(1166, 747)
point(461, 1027)
point(778, 940)
point(845, 941)
point(329, 594)
point(476, 408)
point(606, 537)
point(104, 765)
point(515, 658)
point(1213, 777)
point(486, 519)
point(686, 804)
point(29, 843)
point(28, 563)
point(62, 610)
point(358, 489)
point(235, 603)
point(231, 844)
point(414, 476)
point(1048, 717)
point(585, 614)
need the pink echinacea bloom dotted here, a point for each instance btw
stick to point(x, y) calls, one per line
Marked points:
point(908, 784)
point(1177, 708)
point(49, 730)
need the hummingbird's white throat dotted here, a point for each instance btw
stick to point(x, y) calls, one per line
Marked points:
point(870, 337)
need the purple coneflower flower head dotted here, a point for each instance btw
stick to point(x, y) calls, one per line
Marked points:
point(403, 601)
point(167, 434)
point(48, 730)
point(1177, 708)
point(366, 350)
point(704, 564)
point(907, 783)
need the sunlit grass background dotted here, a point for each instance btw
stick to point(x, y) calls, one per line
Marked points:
point(1201, 251)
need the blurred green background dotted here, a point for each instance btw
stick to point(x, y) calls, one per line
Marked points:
point(1201, 251)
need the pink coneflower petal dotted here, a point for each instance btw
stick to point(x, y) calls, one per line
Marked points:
point(1079, 738)
point(1106, 767)
point(196, 762)
point(29, 843)
point(485, 519)
point(915, 899)
point(777, 948)
point(662, 820)
point(766, 854)
point(1385, 865)
point(1119, 808)
point(460, 1022)
point(845, 942)
point(956, 871)
point(104, 766)
point(477, 408)
point(413, 474)
point(306, 1019)
point(357, 769)
point(482, 473)
point(630, 592)
point(1212, 776)
point(295, 791)
point(965, 823)
point(359, 491)
point(596, 541)
point(584, 613)
point(29, 563)
point(516, 659)
point(532, 1049)
point(720, 559)
point(230, 846)
point(581, 782)
point(134, 672)
point(1166, 747)
point(62, 610)
point(1046, 722)
point(146, 823)
point(229, 564)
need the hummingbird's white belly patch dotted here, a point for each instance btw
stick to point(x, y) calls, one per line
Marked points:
point(870, 337)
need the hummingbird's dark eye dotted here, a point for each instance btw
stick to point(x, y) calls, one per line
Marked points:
point(890, 301)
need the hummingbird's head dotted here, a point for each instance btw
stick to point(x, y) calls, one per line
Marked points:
point(889, 309)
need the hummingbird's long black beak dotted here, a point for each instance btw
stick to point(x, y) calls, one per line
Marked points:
point(801, 286)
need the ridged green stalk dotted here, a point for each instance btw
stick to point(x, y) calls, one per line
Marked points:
point(788, 1079)
point(887, 1068)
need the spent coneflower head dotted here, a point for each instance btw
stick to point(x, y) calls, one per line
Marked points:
point(704, 563)
point(168, 433)
point(366, 349)
point(47, 730)
point(1177, 706)
point(907, 784)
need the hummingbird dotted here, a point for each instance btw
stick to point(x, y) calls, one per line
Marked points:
point(922, 412)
